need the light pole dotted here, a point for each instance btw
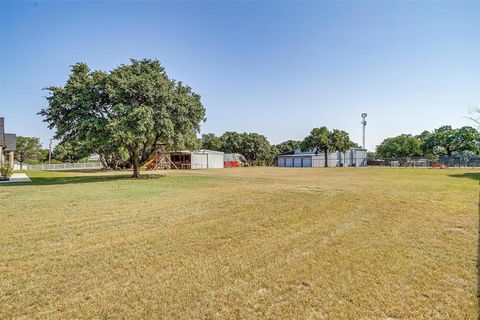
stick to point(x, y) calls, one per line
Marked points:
point(364, 123)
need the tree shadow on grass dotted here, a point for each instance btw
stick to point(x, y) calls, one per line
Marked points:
point(60, 180)
point(467, 175)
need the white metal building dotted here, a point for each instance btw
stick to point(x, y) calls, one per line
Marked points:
point(207, 159)
point(354, 157)
point(200, 159)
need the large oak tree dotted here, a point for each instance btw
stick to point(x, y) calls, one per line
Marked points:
point(447, 140)
point(402, 146)
point(134, 107)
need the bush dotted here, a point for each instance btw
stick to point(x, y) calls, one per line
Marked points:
point(6, 171)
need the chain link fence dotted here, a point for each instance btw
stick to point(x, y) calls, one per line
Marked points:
point(419, 162)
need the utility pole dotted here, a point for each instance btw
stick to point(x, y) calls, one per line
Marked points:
point(50, 152)
point(364, 123)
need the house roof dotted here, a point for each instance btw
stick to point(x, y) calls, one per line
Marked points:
point(298, 152)
point(2, 131)
point(10, 142)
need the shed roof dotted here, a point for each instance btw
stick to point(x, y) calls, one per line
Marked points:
point(196, 151)
point(297, 155)
point(311, 152)
point(208, 151)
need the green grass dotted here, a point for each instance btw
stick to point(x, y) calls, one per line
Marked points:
point(241, 243)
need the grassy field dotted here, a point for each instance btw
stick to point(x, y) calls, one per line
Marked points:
point(242, 243)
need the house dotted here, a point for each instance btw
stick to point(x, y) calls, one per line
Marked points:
point(354, 157)
point(8, 145)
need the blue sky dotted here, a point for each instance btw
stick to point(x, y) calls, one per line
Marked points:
point(276, 68)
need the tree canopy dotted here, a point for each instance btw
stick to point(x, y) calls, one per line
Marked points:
point(134, 107)
point(70, 151)
point(442, 141)
point(319, 140)
point(325, 141)
point(447, 140)
point(402, 146)
point(210, 141)
point(27, 148)
point(288, 146)
point(255, 147)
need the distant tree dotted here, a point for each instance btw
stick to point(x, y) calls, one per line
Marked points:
point(256, 149)
point(402, 146)
point(27, 148)
point(43, 155)
point(468, 139)
point(424, 144)
point(355, 145)
point(231, 142)
point(70, 151)
point(371, 155)
point(446, 140)
point(319, 140)
point(209, 141)
point(135, 107)
point(288, 145)
point(340, 141)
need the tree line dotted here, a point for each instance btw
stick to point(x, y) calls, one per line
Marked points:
point(441, 141)
point(258, 151)
point(256, 148)
point(124, 114)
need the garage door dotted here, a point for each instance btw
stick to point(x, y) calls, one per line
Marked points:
point(307, 162)
point(288, 162)
point(297, 162)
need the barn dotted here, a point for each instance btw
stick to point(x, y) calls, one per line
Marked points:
point(354, 157)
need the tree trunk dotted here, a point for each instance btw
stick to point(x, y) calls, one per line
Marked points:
point(449, 154)
point(326, 158)
point(135, 160)
point(21, 165)
point(136, 168)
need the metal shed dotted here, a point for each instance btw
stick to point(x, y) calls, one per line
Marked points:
point(354, 157)
point(200, 159)
point(207, 159)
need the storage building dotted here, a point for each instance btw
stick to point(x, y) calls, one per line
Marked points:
point(200, 159)
point(354, 157)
